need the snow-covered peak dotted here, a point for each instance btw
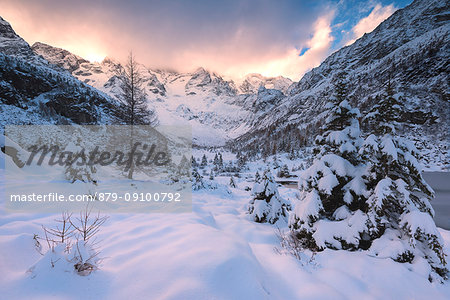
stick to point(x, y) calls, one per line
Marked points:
point(404, 26)
point(11, 43)
point(203, 81)
point(6, 30)
point(252, 82)
point(58, 56)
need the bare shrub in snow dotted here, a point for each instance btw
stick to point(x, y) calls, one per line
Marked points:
point(88, 225)
point(61, 233)
point(71, 244)
point(291, 245)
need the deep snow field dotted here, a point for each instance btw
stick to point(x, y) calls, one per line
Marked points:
point(213, 252)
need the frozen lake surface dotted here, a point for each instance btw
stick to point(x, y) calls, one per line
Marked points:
point(440, 182)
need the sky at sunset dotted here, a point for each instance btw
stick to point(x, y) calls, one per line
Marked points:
point(232, 38)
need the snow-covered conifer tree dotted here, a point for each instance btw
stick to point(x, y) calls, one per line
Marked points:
point(267, 205)
point(257, 177)
point(197, 180)
point(194, 162)
point(284, 171)
point(184, 166)
point(398, 203)
point(331, 211)
point(204, 162)
point(220, 161)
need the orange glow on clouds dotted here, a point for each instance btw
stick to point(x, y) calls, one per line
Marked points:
point(247, 48)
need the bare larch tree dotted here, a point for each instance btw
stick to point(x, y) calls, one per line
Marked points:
point(135, 110)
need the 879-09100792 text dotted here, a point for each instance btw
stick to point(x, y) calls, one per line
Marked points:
point(97, 196)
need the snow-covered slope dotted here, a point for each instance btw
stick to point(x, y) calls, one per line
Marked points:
point(59, 57)
point(213, 252)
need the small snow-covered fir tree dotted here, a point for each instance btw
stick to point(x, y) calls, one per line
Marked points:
point(218, 162)
point(77, 167)
point(197, 180)
point(284, 172)
point(211, 175)
point(242, 160)
point(184, 167)
point(204, 162)
point(398, 203)
point(194, 162)
point(232, 183)
point(267, 204)
point(276, 162)
point(331, 211)
point(257, 177)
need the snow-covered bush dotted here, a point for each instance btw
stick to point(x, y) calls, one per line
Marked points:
point(200, 183)
point(267, 205)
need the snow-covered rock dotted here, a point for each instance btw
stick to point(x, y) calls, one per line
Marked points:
point(252, 82)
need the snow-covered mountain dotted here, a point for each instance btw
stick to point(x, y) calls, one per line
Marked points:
point(34, 91)
point(216, 109)
point(410, 50)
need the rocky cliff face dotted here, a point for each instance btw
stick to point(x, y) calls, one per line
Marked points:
point(34, 91)
point(11, 43)
point(60, 57)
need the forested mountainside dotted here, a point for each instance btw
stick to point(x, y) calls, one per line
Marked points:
point(410, 50)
